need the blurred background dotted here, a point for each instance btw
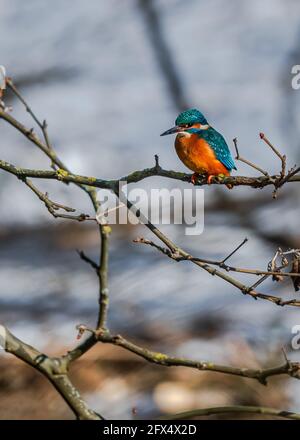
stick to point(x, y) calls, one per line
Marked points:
point(109, 77)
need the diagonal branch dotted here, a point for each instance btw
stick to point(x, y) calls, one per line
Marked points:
point(54, 369)
point(177, 257)
point(179, 254)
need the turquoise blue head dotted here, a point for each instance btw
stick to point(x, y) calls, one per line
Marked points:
point(190, 118)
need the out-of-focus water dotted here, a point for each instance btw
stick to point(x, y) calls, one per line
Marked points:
point(90, 70)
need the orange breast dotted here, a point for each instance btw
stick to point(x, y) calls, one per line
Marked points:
point(197, 155)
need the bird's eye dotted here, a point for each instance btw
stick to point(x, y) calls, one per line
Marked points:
point(186, 125)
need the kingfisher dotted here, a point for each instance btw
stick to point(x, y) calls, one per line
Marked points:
point(200, 147)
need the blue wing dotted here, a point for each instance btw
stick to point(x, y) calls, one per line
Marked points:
point(220, 147)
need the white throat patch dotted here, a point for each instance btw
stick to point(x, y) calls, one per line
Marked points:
point(184, 133)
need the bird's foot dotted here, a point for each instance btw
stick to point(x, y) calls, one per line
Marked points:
point(222, 177)
point(194, 178)
point(210, 179)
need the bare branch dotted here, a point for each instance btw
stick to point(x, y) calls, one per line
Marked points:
point(54, 369)
point(238, 409)
point(289, 368)
point(61, 171)
point(180, 255)
point(53, 207)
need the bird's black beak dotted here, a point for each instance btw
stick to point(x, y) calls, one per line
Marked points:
point(172, 130)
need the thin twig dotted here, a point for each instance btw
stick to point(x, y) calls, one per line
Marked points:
point(234, 251)
point(53, 207)
point(246, 161)
point(237, 409)
point(88, 260)
point(281, 157)
point(42, 125)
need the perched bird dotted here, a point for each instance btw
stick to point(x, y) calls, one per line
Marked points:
point(200, 147)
